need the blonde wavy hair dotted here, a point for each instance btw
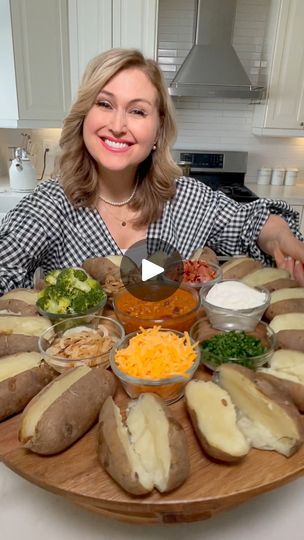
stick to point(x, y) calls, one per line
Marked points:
point(76, 168)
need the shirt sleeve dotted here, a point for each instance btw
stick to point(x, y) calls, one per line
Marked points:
point(236, 227)
point(24, 241)
point(202, 217)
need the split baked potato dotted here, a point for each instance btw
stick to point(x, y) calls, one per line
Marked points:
point(149, 451)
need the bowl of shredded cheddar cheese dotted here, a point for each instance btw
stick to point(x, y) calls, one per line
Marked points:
point(155, 360)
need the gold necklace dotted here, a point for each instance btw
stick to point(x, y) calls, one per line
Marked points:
point(123, 222)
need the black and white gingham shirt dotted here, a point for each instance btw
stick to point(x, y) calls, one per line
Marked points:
point(46, 230)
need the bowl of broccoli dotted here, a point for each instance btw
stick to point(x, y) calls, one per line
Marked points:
point(70, 292)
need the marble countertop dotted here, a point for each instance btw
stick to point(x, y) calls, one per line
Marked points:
point(292, 194)
point(33, 513)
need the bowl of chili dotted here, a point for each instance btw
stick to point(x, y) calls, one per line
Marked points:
point(155, 360)
point(146, 305)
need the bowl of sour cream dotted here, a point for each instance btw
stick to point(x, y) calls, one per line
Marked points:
point(231, 303)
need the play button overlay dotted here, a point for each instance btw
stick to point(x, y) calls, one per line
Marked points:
point(150, 270)
point(147, 275)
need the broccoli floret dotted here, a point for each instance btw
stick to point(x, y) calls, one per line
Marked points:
point(52, 300)
point(79, 302)
point(73, 292)
point(51, 277)
point(73, 278)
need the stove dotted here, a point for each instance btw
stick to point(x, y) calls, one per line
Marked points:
point(220, 170)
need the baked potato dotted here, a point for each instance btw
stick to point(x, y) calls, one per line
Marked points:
point(149, 451)
point(265, 277)
point(288, 361)
point(290, 384)
point(19, 301)
point(65, 409)
point(15, 343)
point(218, 432)
point(285, 301)
point(22, 376)
point(28, 326)
point(289, 330)
point(266, 416)
point(238, 267)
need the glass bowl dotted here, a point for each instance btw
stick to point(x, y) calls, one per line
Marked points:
point(178, 311)
point(56, 317)
point(170, 389)
point(225, 318)
point(177, 273)
point(202, 331)
point(105, 326)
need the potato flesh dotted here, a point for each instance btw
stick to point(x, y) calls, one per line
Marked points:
point(286, 294)
point(28, 296)
point(145, 439)
point(55, 390)
point(29, 326)
point(287, 321)
point(149, 431)
point(234, 262)
point(289, 361)
point(216, 417)
point(264, 275)
point(13, 364)
point(280, 375)
point(265, 424)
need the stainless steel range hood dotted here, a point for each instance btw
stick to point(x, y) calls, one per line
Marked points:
point(212, 67)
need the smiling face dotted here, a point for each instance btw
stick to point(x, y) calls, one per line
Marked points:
point(121, 127)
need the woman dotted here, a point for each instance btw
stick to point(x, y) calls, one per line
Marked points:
point(117, 184)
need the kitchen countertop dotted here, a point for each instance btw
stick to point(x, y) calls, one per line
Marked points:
point(29, 512)
point(292, 194)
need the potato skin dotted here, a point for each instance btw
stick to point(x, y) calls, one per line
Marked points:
point(292, 305)
point(99, 267)
point(72, 414)
point(244, 267)
point(112, 454)
point(290, 339)
point(15, 306)
point(14, 343)
point(294, 390)
point(17, 391)
point(282, 283)
point(180, 464)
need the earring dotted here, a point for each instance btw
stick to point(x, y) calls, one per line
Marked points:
point(154, 146)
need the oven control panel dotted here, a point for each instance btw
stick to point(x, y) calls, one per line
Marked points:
point(204, 160)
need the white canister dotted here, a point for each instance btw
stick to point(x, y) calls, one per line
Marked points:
point(277, 177)
point(264, 175)
point(291, 176)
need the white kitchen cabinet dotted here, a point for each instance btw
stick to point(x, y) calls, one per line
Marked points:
point(98, 25)
point(34, 63)
point(282, 113)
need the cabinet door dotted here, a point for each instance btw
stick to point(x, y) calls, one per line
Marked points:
point(40, 37)
point(90, 33)
point(135, 25)
point(8, 92)
point(285, 108)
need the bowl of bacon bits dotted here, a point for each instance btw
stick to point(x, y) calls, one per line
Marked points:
point(193, 273)
point(83, 341)
point(155, 360)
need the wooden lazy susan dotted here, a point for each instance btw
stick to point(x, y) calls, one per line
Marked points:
point(211, 488)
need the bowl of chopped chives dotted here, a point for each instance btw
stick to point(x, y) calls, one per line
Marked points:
point(251, 349)
point(155, 360)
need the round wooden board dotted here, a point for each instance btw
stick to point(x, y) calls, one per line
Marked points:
point(212, 487)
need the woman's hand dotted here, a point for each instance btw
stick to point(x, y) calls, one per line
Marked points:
point(277, 240)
